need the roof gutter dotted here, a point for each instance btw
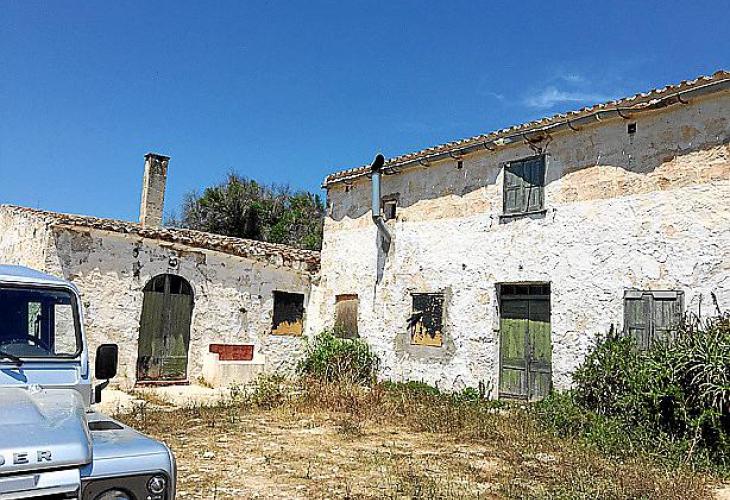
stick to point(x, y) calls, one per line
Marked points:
point(626, 113)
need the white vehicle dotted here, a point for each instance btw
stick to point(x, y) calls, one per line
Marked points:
point(53, 446)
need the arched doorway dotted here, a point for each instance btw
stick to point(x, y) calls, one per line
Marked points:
point(164, 330)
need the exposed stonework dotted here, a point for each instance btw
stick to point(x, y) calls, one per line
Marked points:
point(153, 189)
point(271, 253)
point(645, 210)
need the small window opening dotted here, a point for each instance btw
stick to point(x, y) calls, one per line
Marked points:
point(631, 128)
point(426, 322)
point(389, 209)
point(288, 313)
point(460, 164)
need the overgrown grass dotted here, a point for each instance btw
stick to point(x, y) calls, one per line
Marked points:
point(533, 462)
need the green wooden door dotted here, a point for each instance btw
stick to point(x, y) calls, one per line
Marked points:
point(151, 337)
point(164, 333)
point(525, 348)
point(540, 350)
point(513, 346)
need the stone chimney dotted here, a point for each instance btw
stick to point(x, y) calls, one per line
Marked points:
point(153, 189)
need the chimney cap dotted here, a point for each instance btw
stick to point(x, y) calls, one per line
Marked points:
point(157, 156)
point(378, 163)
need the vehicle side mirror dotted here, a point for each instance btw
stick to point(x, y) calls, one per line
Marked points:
point(105, 367)
point(107, 358)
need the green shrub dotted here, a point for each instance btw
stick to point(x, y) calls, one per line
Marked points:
point(268, 391)
point(609, 376)
point(333, 359)
point(673, 399)
point(561, 413)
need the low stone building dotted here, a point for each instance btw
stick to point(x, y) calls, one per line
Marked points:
point(498, 259)
point(172, 299)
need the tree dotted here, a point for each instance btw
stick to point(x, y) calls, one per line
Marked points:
point(243, 208)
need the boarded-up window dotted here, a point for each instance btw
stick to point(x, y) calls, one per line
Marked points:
point(651, 315)
point(346, 316)
point(288, 313)
point(426, 322)
point(524, 186)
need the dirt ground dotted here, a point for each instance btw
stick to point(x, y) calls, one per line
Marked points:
point(278, 454)
point(227, 453)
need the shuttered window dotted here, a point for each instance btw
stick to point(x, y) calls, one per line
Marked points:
point(524, 186)
point(650, 315)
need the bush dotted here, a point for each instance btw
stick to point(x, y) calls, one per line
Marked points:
point(268, 391)
point(673, 398)
point(333, 359)
point(561, 413)
point(609, 376)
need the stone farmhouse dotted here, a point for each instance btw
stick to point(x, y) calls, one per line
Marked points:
point(498, 259)
point(493, 261)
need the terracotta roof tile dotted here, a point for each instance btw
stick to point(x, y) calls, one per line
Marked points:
point(637, 101)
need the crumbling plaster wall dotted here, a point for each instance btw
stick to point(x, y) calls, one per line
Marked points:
point(647, 210)
point(233, 296)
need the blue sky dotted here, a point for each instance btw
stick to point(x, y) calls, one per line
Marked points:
point(287, 92)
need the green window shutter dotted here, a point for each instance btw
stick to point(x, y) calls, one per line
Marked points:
point(666, 314)
point(650, 315)
point(535, 172)
point(636, 314)
point(524, 186)
point(514, 188)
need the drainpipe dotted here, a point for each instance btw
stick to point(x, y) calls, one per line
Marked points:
point(375, 169)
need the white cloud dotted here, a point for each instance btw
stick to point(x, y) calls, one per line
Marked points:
point(498, 96)
point(573, 78)
point(551, 96)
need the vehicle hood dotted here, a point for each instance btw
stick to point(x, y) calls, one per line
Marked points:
point(42, 429)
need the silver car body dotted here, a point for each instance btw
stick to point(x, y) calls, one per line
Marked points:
point(51, 440)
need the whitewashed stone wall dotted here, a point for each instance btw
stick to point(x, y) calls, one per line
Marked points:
point(649, 210)
point(23, 239)
point(233, 296)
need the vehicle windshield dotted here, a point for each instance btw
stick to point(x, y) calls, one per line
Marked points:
point(38, 323)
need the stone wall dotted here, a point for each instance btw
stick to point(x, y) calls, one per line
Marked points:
point(24, 239)
point(645, 210)
point(233, 296)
